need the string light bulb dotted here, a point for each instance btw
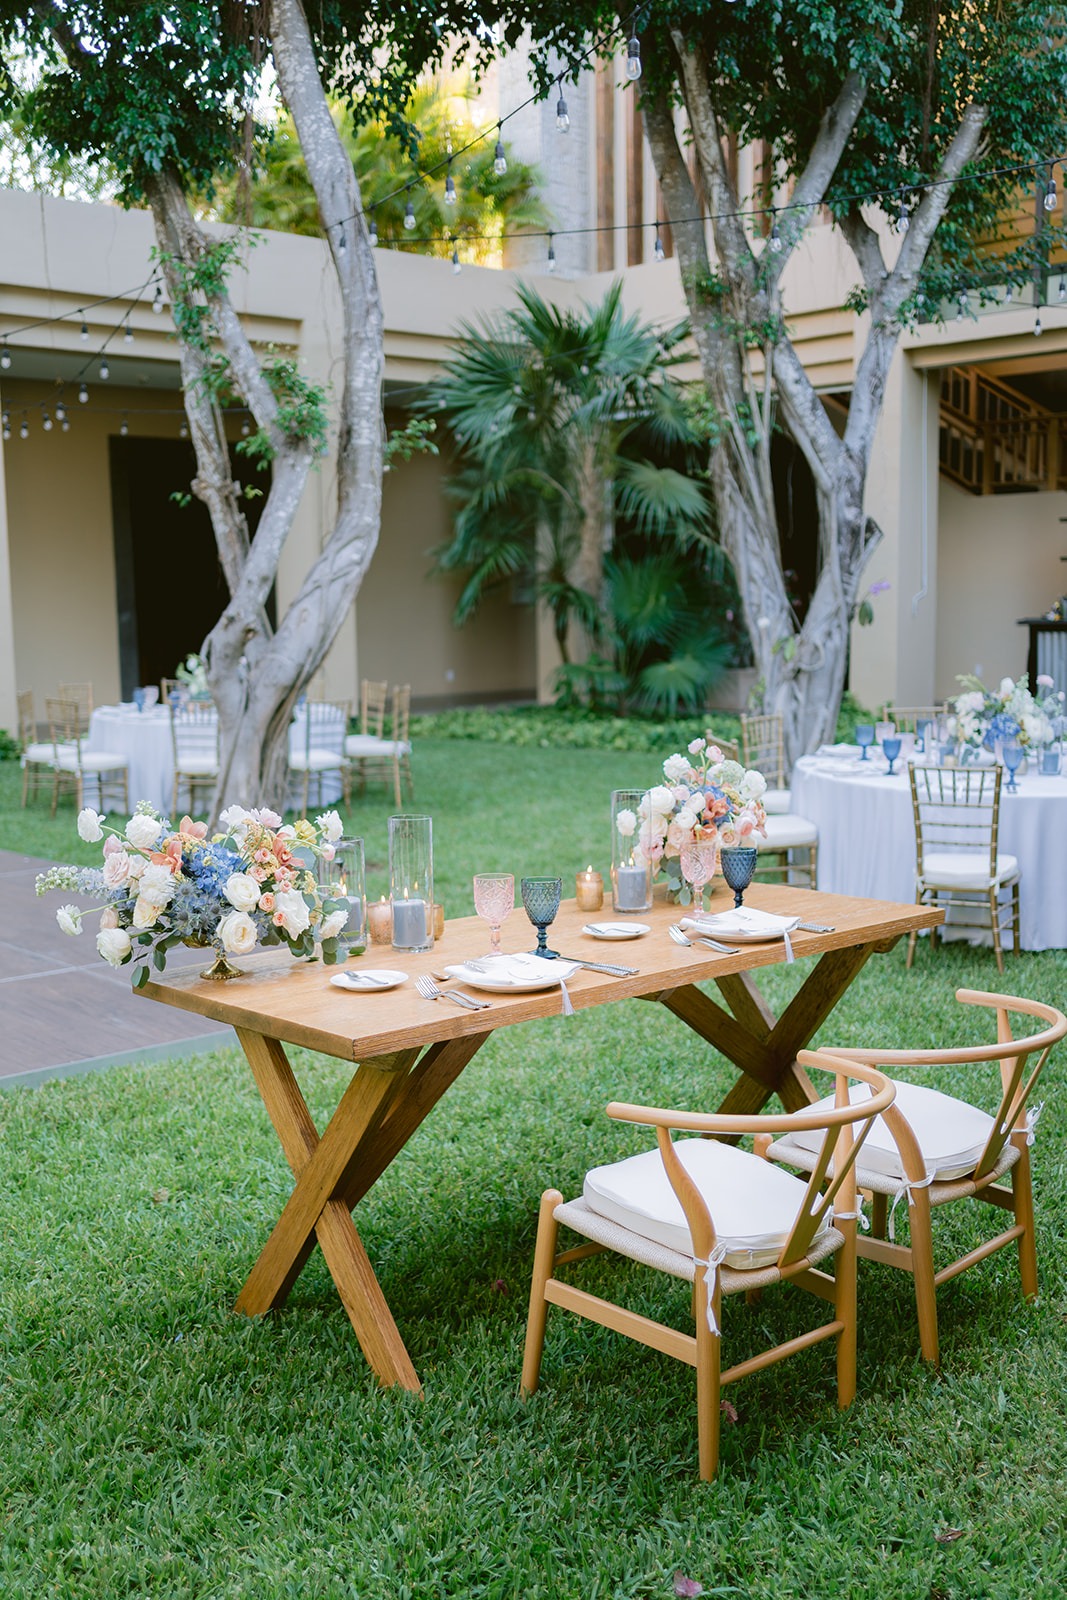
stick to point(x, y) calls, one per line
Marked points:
point(657, 249)
point(961, 305)
point(1051, 198)
point(1061, 292)
point(455, 256)
point(563, 118)
point(633, 59)
point(157, 300)
point(5, 356)
point(5, 426)
point(246, 428)
point(373, 234)
point(409, 215)
point(46, 421)
point(551, 254)
point(61, 413)
point(342, 242)
point(105, 370)
point(1007, 294)
point(450, 187)
point(500, 160)
point(775, 240)
point(85, 329)
point(903, 220)
point(127, 333)
point(183, 431)
point(1037, 325)
point(65, 422)
point(124, 426)
point(24, 427)
point(83, 394)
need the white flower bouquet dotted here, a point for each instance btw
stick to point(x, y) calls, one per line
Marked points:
point(980, 716)
point(251, 885)
point(705, 798)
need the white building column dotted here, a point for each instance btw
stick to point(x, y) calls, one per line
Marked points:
point(8, 686)
point(894, 658)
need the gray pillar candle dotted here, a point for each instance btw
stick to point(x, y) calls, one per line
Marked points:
point(631, 888)
point(409, 925)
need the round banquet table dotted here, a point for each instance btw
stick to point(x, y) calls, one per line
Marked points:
point(867, 837)
point(143, 737)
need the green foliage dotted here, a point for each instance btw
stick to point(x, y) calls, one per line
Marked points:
point(488, 205)
point(10, 748)
point(414, 438)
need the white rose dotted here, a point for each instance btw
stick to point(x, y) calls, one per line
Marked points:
point(1007, 686)
point(626, 822)
point(331, 825)
point(89, 827)
point(138, 864)
point(142, 831)
point(674, 768)
point(109, 917)
point(70, 920)
point(156, 886)
point(265, 817)
point(241, 891)
point(235, 817)
point(753, 785)
point(661, 800)
point(145, 913)
point(116, 869)
point(333, 924)
point(696, 747)
point(114, 945)
point(686, 820)
point(237, 932)
point(292, 909)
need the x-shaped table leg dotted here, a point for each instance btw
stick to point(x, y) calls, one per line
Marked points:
point(384, 1103)
point(765, 1048)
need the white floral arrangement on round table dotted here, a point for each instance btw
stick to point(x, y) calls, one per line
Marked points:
point(980, 716)
point(705, 797)
point(252, 884)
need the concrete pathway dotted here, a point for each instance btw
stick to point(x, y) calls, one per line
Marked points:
point(64, 1010)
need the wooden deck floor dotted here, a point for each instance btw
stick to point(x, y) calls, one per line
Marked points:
point(62, 1008)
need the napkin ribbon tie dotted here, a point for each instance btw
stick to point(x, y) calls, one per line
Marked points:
point(711, 1278)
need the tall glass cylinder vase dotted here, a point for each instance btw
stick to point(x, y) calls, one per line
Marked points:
point(631, 876)
point(411, 881)
point(342, 879)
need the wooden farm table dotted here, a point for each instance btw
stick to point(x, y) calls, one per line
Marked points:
point(409, 1050)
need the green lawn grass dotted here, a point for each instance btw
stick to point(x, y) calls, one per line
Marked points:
point(157, 1444)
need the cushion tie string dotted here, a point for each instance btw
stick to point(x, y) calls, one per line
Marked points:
point(1033, 1116)
point(711, 1274)
point(789, 956)
point(907, 1185)
point(568, 1008)
point(859, 1216)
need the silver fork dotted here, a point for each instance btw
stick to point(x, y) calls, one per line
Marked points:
point(429, 991)
point(680, 936)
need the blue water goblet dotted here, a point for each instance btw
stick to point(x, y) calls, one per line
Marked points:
point(138, 699)
point(738, 862)
point(864, 737)
point(891, 749)
point(922, 730)
point(1013, 757)
point(540, 899)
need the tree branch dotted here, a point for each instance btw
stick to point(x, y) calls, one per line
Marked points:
point(732, 246)
point(809, 191)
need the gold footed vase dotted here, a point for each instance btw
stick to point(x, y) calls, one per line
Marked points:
point(220, 968)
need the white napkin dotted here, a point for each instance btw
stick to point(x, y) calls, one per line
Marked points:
point(514, 969)
point(838, 750)
point(745, 921)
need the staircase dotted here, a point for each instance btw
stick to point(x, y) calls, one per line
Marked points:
point(995, 440)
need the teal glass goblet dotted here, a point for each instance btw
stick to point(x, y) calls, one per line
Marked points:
point(738, 862)
point(864, 737)
point(1012, 754)
point(540, 899)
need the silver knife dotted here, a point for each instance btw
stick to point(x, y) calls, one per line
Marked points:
point(815, 927)
point(602, 966)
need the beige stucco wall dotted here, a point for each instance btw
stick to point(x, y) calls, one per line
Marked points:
point(998, 560)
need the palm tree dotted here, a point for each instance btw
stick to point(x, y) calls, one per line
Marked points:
point(541, 402)
point(488, 204)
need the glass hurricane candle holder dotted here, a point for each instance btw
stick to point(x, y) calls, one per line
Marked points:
point(631, 877)
point(344, 876)
point(411, 881)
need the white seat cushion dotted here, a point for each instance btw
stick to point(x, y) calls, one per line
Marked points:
point(316, 761)
point(198, 766)
point(776, 802)
point(966, 869)
point(91, 761)
point(753, 1211)
point(784, 832)
point(367, 744)
point(44, 754)
point(951, 1133)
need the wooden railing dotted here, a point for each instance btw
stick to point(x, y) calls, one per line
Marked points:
point(995, 440)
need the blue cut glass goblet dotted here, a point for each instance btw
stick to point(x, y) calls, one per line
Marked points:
point(738, 862)
point(1013, 756)
point(864, 737)
point(540, 899)
point(138, 699)
point(891, 749)
point(922, 733)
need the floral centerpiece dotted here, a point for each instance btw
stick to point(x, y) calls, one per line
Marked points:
point(705, 797)
point(983, 717)
point(192, 675)
point(252, 884)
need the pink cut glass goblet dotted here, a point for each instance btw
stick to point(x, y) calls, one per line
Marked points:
point(494, 899)
point(698, 866)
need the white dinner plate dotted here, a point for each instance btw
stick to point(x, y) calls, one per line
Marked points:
point(516, 974)
point(743, 926)
point(616, 930)
point(370, 981)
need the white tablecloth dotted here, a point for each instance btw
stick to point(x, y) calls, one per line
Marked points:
point(143, 737)
point(867, 838)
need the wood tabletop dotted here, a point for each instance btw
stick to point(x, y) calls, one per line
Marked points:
point(295, 1001)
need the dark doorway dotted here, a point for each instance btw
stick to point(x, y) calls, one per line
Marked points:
point(170, 586)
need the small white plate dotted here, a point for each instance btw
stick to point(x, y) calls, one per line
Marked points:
point(616, 930)
point(742, 926)
point(371, 981)
point(516, 974)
